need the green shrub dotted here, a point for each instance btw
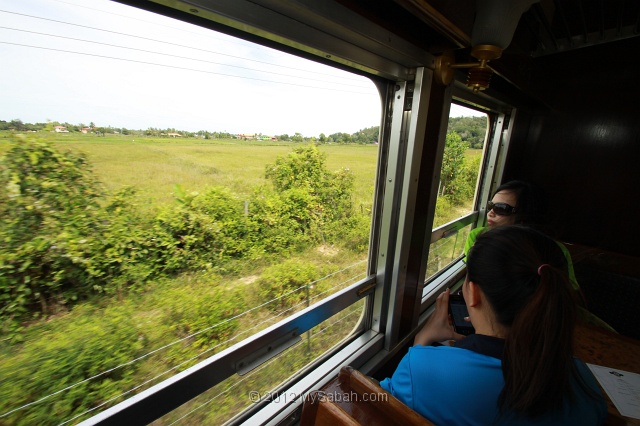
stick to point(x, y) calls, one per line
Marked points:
point(188, 311)
point(65, 240)
point(86, 343)
point(311, 197)
point(351, 232)
point(206, 228)
point(283, 221)
point(48, 227)
point(451, 163)
point(287, 284)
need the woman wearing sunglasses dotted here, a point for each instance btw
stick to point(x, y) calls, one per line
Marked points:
point(519, 203)
point(518, 368)
point(514, 202)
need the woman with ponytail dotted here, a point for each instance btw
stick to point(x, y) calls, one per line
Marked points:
point(518, 368)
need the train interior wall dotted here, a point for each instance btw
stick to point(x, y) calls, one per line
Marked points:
point(582, 148)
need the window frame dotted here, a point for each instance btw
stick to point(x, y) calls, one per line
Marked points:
point(413, 129)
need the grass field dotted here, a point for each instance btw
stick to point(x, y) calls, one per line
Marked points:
point(155, 167)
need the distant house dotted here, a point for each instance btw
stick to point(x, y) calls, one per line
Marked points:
point(245, 136)
point(85, 129)
point(60, 129)
point(174, 135)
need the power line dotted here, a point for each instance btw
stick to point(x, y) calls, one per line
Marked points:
point(183, 68)
point(153, 23)
point(176, 56)
point(170, 43)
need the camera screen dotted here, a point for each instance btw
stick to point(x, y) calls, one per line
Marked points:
point(458, 312)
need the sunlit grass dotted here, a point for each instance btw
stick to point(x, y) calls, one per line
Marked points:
point(156, 165)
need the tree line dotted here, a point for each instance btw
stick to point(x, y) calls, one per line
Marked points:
point(363, 136)
point(471, 130)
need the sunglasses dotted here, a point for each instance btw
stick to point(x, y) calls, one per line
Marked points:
point(501, 209)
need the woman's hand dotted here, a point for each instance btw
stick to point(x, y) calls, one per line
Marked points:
point(439, 326)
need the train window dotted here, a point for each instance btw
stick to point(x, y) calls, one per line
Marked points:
point(186, 191)
point(240, 392)
point(458, 188)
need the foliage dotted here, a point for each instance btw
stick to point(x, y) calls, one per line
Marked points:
point(304, 199)
point(202, 229)
point(205, 315)
point(280, 221)
point(472, 130)
point(85, 344)
point(467, 178)
point(65, 240)
point(451, 163)
point(351, 232)
point(112, 248)
point(130, 250)
point(286, 284)
point(304, 169)
point(49, 227)
point(368, 135)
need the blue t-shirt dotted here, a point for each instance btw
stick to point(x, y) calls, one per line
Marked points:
point(460, 386)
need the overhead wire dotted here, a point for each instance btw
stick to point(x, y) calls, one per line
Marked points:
point(186, 69)
point(180, 57)
point(172, 44)
point(210, 35)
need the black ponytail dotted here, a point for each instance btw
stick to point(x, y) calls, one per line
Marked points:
point(538, 363)
point(521, 273)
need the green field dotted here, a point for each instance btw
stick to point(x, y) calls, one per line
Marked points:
point(155, 165)
point(165, 311)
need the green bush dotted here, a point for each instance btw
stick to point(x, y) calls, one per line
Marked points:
point(203, 229)
point(207, 311)
point(65, 240)
point(49, 227)
point(281, 222)
point(84, 344)
point(312, 197)
point(351, 232)
point(287, 284)
point(451, 163)
point(130, 250)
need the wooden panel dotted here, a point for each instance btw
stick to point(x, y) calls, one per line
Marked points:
point(360, 399)
point(584, 150)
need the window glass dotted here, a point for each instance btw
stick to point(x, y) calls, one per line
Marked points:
point(166, 192)
point(238, 393)
point(461, 165)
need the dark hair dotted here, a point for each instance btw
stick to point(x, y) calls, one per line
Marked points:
point(522, 274)
point(530, 206)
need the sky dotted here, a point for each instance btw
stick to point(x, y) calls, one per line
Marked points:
point(83, 61)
